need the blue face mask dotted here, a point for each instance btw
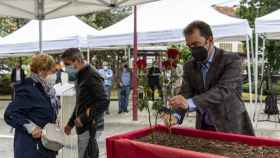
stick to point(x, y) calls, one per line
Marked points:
point(72, 72)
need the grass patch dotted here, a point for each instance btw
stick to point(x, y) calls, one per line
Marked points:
point(5, 97)
point(246, 97)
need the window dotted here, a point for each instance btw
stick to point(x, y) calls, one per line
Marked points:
point(226, 46)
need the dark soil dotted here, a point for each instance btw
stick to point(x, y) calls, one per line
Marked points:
point(228, 149)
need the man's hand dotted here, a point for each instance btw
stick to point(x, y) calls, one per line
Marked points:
point(169, 120)
point(178, 102)
point(67, 130)
point(37, 132)
point(78, 122)
point(88, 112)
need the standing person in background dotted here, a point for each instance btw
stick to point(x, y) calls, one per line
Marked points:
point(59, 71)
point(107, 74)
point(124, 82)
point(17, 76)
point(154, 79)
point(91, 103)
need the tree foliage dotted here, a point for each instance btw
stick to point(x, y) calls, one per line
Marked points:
point(106, 18)
point(9, 25)
point(251, 9)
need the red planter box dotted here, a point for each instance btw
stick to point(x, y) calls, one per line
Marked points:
point(123, 146)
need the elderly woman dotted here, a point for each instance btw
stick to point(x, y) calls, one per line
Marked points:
point(34, 106)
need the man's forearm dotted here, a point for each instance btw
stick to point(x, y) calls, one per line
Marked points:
point(71, 122)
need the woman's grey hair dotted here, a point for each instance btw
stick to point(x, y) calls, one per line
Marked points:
point(72, 54)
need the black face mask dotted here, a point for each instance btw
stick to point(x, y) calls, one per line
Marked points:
point(199, 54)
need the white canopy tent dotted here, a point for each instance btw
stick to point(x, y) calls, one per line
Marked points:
point(266, 28)
point(163, 21)
point(60, 33)
point(49, 9)
point(268, 25)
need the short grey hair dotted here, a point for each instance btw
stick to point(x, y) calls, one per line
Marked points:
point(72, 54)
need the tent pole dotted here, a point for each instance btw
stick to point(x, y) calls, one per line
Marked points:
point(249, 69)
point(262, 70)
point(128, 56)
point(40, 36)
point(88, 55)
point(134, 73)
point(256, 77)
point(40, 13)
point(253, 55)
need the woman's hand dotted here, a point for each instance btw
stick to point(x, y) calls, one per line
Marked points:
point(37, 133)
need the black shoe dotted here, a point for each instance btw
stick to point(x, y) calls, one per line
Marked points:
point(126, 111)
point(120, 112)
point(107, 113)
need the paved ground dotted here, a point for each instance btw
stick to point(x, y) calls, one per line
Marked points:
point(115, 124)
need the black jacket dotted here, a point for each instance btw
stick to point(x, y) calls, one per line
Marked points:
point(14, 74)
point(90, 94)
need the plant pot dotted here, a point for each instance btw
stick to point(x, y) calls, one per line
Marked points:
point(125, 145)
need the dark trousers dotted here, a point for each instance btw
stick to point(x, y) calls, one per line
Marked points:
point(108, 90)
point(124, 98)
point(205, 125)
point(156, 86)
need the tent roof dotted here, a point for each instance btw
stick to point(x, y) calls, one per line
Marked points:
point(49, 9)
point(58, 34)
point(269, 25)
point(163, 21)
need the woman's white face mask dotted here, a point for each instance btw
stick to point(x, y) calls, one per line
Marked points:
point(51, 79)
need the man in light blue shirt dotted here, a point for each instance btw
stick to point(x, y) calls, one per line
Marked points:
point(107, 75)
point(124, 91)
point(211, 86)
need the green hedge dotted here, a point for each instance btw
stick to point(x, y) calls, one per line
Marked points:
point(275, 88)
point(6, 85)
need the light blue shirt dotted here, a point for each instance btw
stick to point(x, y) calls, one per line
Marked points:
point(204, 69)
point(125, 78)
point(107, 75)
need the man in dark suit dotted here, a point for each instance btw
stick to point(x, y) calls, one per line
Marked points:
point(211, 85)
point(17, 76)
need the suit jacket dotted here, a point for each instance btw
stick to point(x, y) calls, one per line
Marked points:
point(14, 74)
point(221, 95)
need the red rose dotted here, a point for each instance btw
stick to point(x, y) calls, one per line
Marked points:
point(169, 64)
point(141, 64)
point(172, 53)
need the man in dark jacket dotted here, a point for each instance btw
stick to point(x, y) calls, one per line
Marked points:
point(91, 102)
point(17, 76)
point(154, 79)
point(211, 85)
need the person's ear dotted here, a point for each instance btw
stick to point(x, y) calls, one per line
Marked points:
point(210, 39)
